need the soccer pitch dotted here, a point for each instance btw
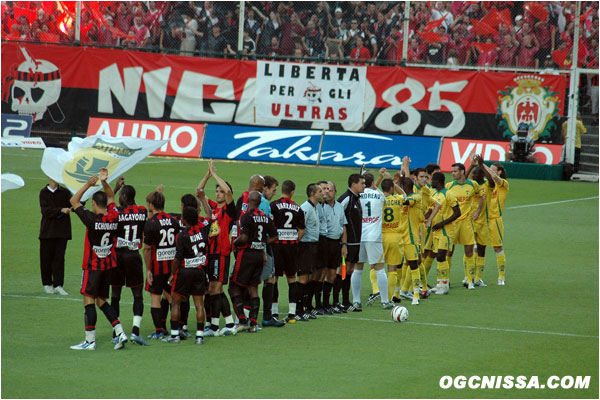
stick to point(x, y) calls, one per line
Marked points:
point(544, 322)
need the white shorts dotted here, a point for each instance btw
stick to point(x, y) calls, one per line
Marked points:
point(371, 252)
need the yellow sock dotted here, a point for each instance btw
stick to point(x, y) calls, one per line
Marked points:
point(479, 265)
point(423, 276)
point(501, 262)
point(416, 281)
point(449, 261)
point(373, 277)
point(407, 279)
point(465, 267)
point(428, 262)
point(470, 267)
point(392, 281)
point(443, 272)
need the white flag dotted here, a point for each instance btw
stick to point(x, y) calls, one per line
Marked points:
point(86, 156)
point(11, 181)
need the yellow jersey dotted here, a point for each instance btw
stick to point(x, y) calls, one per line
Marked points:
point(425, 193)
point(411, 218)
point(392, 210)
point(487, 191)
point(464, 193)
point(496, 203)
point(447, 202)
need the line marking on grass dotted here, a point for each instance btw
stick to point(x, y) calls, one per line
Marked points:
point(440, 325)
point(551, 202)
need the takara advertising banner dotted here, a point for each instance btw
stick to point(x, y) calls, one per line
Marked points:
point(82, 82)
point(302, 146)
point(459, 150)
point(184, 140)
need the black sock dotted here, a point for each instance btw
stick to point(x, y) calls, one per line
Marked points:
point(156, 313)
point(200, 326)
point(337, 286)
point(225, 310)
point(90, 317)
point(267, 296)
point(164, 312)
point(184, 311)
point(114, 303)
point(238, 308)
point(254, 307)
point(300, 289)
point(208, 307)
point(346, 290)
point(275, 293)
point(318, 291)
point(215, 311)
point(110, 314)
point(308, 295)
point(174, 326)
point(138, 309)
point(293, 293)
point(326, 292)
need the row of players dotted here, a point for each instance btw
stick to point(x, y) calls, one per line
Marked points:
point(183, 252)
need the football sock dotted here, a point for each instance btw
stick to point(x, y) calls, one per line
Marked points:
point(137, 322)
point(501, 262)
point(111, 316)
point(238, 308)
point(156, 313)
point(382, 282)
point(466, 269)
point(184, 311)
point(90, 318)
point(392, 281)
point(138, 311)
point(216, 311)
point(416, 281)
point(309, 291)
point(356, 280)
point(254, 307)
point(326, 293)
point(199, 329)
point(479, 266)
point(337, 286)
point(174, 328)
point(346, 290)
point(423, 275)
point(208, 312)
point(292, 295)
point(443, 270)
point(318, 288)
point(275, 293)
point(373, 278)
point(449, 261)
point(164, 312)
point(267, 296)
point(300, 290)
point(470, 266)
point(407, 279)
point(275, 309)
point(226, 311)
point(427, 263)
point(114, 302)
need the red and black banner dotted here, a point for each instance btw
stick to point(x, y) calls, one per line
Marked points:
point(64, 86)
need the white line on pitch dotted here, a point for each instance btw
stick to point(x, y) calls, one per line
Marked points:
point(481, 328)
point(552, 202)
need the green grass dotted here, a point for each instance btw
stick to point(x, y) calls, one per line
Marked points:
point(544, 322)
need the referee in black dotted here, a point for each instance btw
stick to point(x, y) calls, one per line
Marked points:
point(55, 231)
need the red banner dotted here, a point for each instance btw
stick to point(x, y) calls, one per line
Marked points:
point(185, 140)
point(459, 150)
point(107, 83)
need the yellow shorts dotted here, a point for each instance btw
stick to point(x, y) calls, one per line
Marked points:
point(411, 252)
point(441, 241)
point(496, 232)
point(392, 248)
point(464, 232)
point(427, 242)
point(482, 233)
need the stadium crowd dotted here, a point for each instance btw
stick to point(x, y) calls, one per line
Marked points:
point(504, 34)
point(405, 222)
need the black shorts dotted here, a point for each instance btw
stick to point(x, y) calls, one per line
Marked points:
point(248, 267)
point(309, 252)
point(189, 282)
point(159, 284)
point(218, 268)
point(322, 252)
point(95, 283)
point(353, 251)
point(286, 259)
point(334, 253)
point(129, 270)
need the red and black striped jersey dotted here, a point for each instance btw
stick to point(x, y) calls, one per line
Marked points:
point(288, 218)
point(218, 237)
point(203, 221)
point(257, 226)
point(100, 238)
point(159, 233)
point(192, 246)
point(132, 220)
point(241, 208)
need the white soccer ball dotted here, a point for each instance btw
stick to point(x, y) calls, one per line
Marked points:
point(399, 313)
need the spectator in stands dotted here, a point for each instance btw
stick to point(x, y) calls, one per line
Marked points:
point(518, 24)
point(527, 51)
point(372, 43)
point(248, 47)
point(108, 39)
point(333, 44)
point(453, 60)
point(443, 12)
point(123, 18)
point(459, 46)
point(142, 33)
point(414, 53)
point(545, 33)
point(486, 58)
point(274, 50)
point(360, 54)
point(216, 44)
point(153, 20)
point(271, 28)
point(252, 25)
point(312, 41)
point(435, 50)
point(393, 46)
point(26, 34)
point(292, 30)
point(188, 33)
point(350, 36)
point(567, 36)
point(507, 51)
